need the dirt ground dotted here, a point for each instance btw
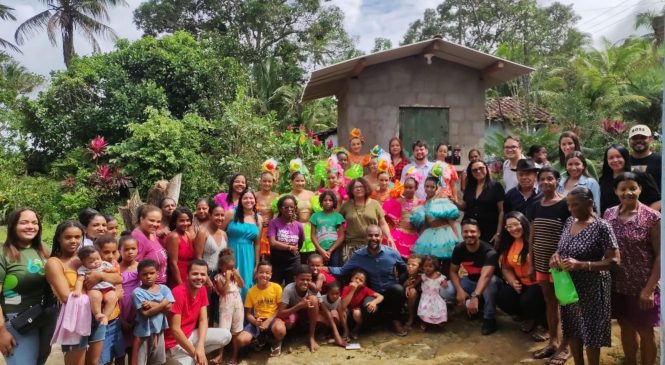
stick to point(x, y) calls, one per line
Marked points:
point(460, 343)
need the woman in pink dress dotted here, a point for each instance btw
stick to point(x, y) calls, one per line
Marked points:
point(398, 213)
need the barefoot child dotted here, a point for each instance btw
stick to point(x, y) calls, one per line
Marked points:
point(151, 301)
point(261, 307)
point(331, 314)
point(328, 230)
point(412, 286)
point(102, 293)
point(228, 283)
point(301, 304)
point(353, 300)
point(432, 308)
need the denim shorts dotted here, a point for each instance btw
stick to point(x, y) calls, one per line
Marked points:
point(114, 343)
point(97, 333)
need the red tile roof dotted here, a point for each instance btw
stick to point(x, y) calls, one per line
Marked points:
point(510, 109)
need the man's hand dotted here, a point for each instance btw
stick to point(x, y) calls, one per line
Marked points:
point(472, 307)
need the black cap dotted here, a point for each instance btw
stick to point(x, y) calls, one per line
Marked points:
point(526, 164)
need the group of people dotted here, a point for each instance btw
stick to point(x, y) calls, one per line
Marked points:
point(381, 237)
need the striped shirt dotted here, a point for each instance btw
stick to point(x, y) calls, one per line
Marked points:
point(546, 224)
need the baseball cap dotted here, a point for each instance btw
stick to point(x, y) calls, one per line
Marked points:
point(639, 130)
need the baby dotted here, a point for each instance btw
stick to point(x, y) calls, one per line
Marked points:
point(102, 292)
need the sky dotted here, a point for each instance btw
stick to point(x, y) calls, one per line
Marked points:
point(364, 21)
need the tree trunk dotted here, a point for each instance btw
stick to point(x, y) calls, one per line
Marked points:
point(68, 42)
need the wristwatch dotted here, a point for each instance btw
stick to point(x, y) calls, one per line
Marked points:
point(474, 295)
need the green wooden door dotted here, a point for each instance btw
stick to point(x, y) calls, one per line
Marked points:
point(428, 124)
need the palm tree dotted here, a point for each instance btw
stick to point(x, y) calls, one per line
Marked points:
point(67, 16)
point(5, 14)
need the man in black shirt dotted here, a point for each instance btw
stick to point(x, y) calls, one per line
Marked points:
point(480, 260)
point(526, 192)
point(642, 159)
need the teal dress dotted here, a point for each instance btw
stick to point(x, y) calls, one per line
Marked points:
point(242, 237)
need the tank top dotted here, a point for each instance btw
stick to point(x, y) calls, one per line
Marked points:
point(211, 252)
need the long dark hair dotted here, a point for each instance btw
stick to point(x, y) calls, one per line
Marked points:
point(607, 174)
point(506, 240)
point(576, 141)
point(471, 182)
point(10, 248)
point(229, 194)
point(239, 214)
point(87, 215)
point(401, 147)
point(56, 250)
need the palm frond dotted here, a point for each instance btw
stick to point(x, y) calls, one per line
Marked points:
point(90, 27)
point(5, 13)
point(6, 44)
point(31, 26)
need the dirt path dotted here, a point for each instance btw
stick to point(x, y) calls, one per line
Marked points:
point(459, 344)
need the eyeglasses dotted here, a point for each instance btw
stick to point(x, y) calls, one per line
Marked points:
point(510, 147)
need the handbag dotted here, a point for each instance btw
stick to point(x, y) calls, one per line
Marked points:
point(28, 319)
point(564, 288)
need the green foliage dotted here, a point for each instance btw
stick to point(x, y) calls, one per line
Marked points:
point(103, 94)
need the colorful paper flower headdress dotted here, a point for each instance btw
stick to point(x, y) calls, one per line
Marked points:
point(270, 166)
point(296, 165)
point(334, 167)
point(384, 165)
point(356, 133)
point(414, 174)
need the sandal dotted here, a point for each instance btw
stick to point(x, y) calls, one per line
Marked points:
point(545, 352)
point(540, 334)
point(276, 351)
point(558, 359)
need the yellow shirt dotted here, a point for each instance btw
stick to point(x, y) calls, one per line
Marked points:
point(264, 301)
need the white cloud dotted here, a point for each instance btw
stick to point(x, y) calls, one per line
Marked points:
point(364, 20)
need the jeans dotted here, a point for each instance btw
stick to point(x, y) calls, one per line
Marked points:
point(489, 294)
point(33, 347)
point(216, 338)
point(391, 307)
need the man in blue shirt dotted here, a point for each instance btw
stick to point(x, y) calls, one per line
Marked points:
point(379, 262)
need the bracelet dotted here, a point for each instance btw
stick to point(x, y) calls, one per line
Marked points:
point(589, 265)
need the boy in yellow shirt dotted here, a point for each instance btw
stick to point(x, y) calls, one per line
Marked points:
point(261, 307)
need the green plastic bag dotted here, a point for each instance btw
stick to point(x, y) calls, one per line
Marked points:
point(564, 288)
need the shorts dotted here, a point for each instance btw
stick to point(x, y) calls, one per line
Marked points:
point(106, 290)
point(231, 312)
point(151, 350)
point(255, 331)
point(114, 343)
point(627, 307)
point(544, 277)
point(97, 333)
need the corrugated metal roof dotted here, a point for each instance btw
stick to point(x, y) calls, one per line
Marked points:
point(327, 81)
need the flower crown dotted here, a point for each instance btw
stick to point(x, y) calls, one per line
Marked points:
point(270, 166)
point(356, 133)
point(296, 165)
point(384, 165)
point(411, 172)
point(334, 167)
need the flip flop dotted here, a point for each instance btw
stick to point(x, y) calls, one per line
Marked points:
point(276, 351)
point(545, 352)
point(558, 359)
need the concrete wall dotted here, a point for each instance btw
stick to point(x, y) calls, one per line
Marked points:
point(371, 101)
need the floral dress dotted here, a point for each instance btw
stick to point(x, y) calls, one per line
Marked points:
point(432, 308)
point(588, 319)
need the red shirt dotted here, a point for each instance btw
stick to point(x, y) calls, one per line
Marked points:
point(358, 296)
point(188, 308)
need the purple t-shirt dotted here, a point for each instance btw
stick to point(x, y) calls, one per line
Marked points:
point(290, 233)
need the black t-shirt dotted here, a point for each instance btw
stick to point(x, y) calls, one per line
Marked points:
point(473, 262)
point(484, 208)
point(650, 164)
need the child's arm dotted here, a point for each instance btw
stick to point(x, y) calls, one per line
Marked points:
point(371, 306)
point(315, 240)
point(222, 284)
point(78, 287)
point(340, 240)
point(349, 295)
point(318, 285)
point(240, 283)
point(284, 311)
point(155, 308)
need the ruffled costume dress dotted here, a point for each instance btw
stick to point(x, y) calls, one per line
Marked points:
point(404, 234)
point(436, 241)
